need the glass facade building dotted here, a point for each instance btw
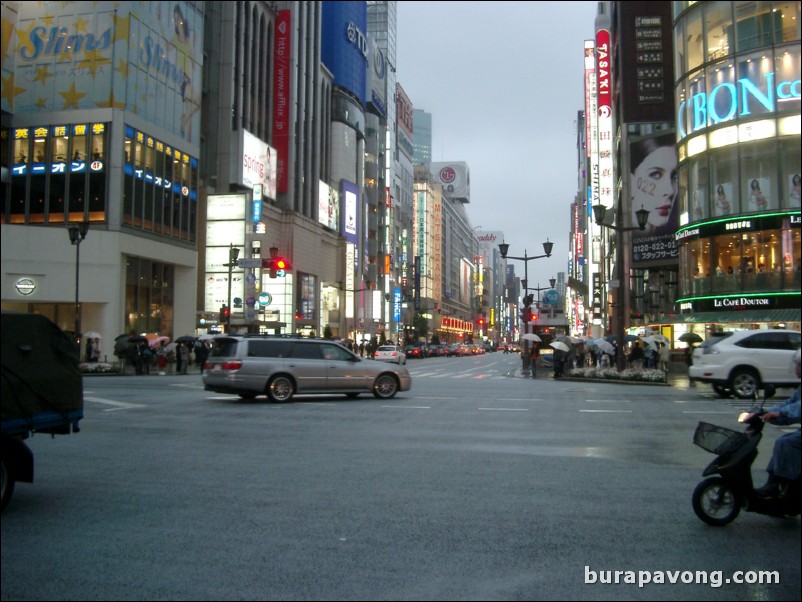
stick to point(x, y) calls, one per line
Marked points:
point(737, 94)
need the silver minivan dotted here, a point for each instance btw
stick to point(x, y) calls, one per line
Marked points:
point(280, 367)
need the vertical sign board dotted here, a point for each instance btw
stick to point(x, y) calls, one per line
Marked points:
point(281, 96)
point(417, 281)
point(225, 226)
point(605, 117)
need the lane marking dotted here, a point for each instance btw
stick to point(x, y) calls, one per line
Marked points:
point(409, 407)
point(503, 409)
point(118, 405)
point(609, 411)
point(608, 400)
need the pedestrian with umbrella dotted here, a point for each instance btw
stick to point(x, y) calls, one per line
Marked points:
point(690, 338)
point(140, 353)
point(663, 357)
point(183, 358)
point(561, 350)
point(201, 353)
point(534, 355)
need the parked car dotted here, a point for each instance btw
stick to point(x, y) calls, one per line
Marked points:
point(280, 367)
point(743, 362)
point(390, 353)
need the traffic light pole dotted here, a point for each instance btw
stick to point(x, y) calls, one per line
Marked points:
point(233, 253)
point(503, 248)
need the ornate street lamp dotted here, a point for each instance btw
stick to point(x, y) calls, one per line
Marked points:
point(77, 234)
point(642, 216)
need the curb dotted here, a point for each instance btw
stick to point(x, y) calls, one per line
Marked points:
point(517, 374)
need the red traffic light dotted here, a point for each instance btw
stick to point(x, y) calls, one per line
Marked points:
point(279, 267)
point(225, 311)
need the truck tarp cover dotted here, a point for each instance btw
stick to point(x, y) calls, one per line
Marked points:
point(42, 388)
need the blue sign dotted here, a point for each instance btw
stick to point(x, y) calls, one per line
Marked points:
point(550, 297)
point(397, 305)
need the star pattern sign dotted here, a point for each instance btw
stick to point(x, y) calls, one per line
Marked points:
point(144, 57)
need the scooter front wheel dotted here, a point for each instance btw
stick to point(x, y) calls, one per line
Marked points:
point(716, 502)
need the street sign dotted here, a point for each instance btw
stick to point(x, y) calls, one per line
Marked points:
point(265, 299)
point(250, 262)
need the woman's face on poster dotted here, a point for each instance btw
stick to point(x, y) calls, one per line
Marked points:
point(654, 185)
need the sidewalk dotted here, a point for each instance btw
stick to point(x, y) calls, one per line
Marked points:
point(677, 377)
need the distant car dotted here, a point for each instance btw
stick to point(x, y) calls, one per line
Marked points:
point(463, 350)
point(412, 352)
point(280, 367)
point(390, 353)
point(742, 362)
point(437, 351)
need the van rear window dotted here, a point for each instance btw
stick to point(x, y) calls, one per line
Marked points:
point(223, 347)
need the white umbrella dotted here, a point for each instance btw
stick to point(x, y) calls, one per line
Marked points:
point(92, 335)
point(604, 346)
point(560, 345)
point(650, 341)
point(530, 336)
point(206, 337)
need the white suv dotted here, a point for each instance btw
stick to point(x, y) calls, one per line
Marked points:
point(740, 363)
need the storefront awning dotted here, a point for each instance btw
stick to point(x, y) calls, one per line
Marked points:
point(736, 317)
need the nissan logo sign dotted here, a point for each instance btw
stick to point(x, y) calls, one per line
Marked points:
point(25, 286)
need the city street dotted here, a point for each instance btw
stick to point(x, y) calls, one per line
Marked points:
point(477, 484)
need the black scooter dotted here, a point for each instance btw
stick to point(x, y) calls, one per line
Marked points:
point(718, 500)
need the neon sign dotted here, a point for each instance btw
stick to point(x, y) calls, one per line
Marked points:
point(727, 101)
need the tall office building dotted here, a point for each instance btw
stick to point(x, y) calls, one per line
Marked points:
point(422, 138)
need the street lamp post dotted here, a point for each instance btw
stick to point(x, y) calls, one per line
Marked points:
point(77, 234)
point(642, 215)
point(233, 254)
point(503, 248)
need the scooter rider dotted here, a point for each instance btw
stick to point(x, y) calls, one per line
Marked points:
point(784, 465)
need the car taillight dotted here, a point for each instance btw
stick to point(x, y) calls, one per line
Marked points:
point(232, 365)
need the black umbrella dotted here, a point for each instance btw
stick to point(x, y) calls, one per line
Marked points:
point(613, 338)
point(137, 338)
point(691, 337)
point(185, 338)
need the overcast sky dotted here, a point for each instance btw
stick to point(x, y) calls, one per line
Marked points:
point(504, 83)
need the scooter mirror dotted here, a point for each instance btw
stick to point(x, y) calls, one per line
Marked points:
point(769, 391)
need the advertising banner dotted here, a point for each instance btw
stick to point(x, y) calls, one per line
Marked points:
point(654, 187)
